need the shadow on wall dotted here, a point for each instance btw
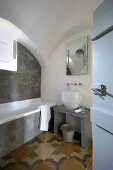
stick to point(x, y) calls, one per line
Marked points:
point(70, 32)
point(23, 84)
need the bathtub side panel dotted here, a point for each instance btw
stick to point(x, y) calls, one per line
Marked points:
point(17, 132)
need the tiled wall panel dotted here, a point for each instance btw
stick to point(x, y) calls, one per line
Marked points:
point(23, 84)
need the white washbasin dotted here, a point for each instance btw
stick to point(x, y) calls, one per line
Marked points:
point(71, 99)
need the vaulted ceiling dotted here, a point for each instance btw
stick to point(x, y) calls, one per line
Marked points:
point(49, 22)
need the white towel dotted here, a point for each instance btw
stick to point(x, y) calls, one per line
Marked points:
point(45, 117)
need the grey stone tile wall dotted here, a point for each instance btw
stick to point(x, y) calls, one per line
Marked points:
point(17, 132)
point(23, 84)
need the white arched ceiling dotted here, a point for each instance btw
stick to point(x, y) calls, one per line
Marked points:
point(12, 32)
point(48, 22)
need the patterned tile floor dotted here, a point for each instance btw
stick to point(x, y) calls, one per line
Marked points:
point(48, 152)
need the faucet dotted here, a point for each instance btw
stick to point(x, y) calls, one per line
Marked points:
point(75, 84)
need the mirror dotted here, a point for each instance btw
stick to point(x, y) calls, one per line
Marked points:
point(77, 57)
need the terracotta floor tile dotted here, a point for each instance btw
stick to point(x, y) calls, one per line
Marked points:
point(4, 163)
point(56, 156)
point(58, 137)
point(48, 152)
point(21, 153)
point(79, 155)
point(89, 149)
point(45, 137)
point(15, 167)
point(44, 150)
point(84, 161)
point(34, 144)
point(79, 164)
point(55, 143)
point(90, 165)
point(44, 166)
point(71, 165)
point(68, 148)
point(31, 161)
point(88, 160)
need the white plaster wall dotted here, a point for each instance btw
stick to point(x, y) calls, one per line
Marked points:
point(48, 22)
point(54, 77)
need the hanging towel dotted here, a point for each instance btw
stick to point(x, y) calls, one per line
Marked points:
point(45, 117)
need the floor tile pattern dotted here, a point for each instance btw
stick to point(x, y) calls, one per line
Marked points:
point(48, 152)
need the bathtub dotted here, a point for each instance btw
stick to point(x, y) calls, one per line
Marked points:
point(19, 123)
point(14, 110)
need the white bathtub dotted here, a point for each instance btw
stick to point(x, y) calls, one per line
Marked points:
point(14, 110)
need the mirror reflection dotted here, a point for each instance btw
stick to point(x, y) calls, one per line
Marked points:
point(77, 57)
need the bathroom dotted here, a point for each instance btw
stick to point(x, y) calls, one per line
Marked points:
point(41, 33)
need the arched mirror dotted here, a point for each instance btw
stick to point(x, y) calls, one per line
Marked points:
point(77, 57)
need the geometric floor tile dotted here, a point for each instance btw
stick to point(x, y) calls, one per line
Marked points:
point(89, 166)
point(56, 156)
point(48, 152)
point(4, 162)
point(79, 155)
point(44, 166)
point(55, 143)
point(69, 164)
point(89, 149)
point(15, 167)
point(84, 161)
point(33, 145)
point(30, 161)
point(21, 153)
point(68, 148)
point(44, 150)
point(45, 137)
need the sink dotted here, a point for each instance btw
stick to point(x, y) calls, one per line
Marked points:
point(71, 99)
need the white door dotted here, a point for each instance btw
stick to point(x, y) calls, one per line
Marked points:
point(102, 149)
point(103, 70)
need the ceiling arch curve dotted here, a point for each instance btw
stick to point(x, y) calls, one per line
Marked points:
point(72, 31)
point(14, 33)
point(48, 23)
